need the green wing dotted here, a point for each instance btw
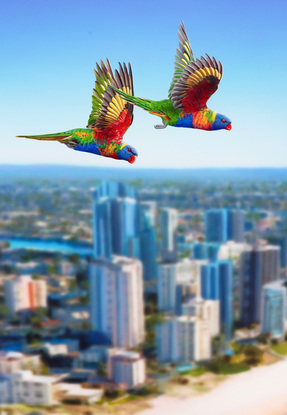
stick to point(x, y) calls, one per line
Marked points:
point(104, 77)
point(183, 57)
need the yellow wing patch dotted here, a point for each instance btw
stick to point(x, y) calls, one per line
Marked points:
point(116, 106)
point(201, 74)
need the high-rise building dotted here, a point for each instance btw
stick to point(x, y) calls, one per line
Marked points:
point(147, 215)
point(147, 237)
point(25, 293)
point(274, 308)
point(258, 266)
point(183, 339)
point(217, 284)
point(210, 281)
point(216, 225)
point(168, 230)
point(175, 282)
point(204, 310)
point(166, 287)
point(280, 240)
point(116, 300)
point(127, 368)
point(115, 215)
point(235, 225)
point(224, 224)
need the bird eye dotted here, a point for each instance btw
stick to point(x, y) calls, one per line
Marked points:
point(129, 149)
point(223, 120)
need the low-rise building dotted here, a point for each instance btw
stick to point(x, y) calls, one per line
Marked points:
point(232, 250)
point(13, 361)
point(61, 346)
point(6, 391)
point(31, 267)
point(33, 389)
point(25, 293)
point(96, 354)
point(73, 393)
point(127, 368)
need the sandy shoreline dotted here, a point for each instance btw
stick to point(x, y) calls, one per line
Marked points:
point(260, 391)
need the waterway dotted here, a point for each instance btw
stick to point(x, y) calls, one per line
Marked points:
point(50, 246)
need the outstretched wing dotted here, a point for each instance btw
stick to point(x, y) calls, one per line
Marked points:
point(104, 77)
point(116, 114)
point(198, 82)
point(183, 57)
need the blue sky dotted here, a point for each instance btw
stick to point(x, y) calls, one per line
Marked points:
point(49, 50)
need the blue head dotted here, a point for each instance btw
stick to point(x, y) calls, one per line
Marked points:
point(127, 153)
point(221, 123)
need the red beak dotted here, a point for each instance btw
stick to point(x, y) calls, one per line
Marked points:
point(132, 159)
point(228, 127)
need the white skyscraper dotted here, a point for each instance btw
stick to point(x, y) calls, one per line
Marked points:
point(116, 300)
point(176, 281)
point(183, 339)
point(208, 310)
point(168, 230)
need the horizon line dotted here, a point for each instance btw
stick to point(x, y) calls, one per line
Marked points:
point(142, 168)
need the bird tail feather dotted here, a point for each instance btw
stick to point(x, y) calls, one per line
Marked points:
point(139, 102)
point(50, 137)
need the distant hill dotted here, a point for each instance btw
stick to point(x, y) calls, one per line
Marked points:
point(56, 172)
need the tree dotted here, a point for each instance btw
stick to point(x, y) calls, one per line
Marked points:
point(263, 338)
point(73, 285)
point(3, 310)
point(52, 270)
point(36, 277)
point(196, 220)
point(44, 369)
point(74, 259)
point(217, 344)
point(102, 370)
point(35, 321)
point(253, 355)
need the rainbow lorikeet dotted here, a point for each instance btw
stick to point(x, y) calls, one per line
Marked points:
point(194, 81)
point(110, 118)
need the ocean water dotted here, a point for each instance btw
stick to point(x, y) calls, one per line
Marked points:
point(60, 172)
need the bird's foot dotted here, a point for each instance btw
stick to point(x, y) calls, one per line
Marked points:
point(160, 126)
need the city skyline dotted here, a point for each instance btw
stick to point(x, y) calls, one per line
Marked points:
point(50, 51)
point(102, 315)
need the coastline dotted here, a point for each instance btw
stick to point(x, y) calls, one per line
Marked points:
point(260, 391)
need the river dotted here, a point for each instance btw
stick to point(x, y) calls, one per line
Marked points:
point(50, 245)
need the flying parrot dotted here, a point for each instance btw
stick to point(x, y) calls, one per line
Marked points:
point(110, 118)
point(194, 81)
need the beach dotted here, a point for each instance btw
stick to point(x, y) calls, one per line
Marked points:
point(260, 391)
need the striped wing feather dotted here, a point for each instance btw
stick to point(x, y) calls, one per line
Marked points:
point(104, 77)
point(183, 57)
point(115, 108)
point(198, 82)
